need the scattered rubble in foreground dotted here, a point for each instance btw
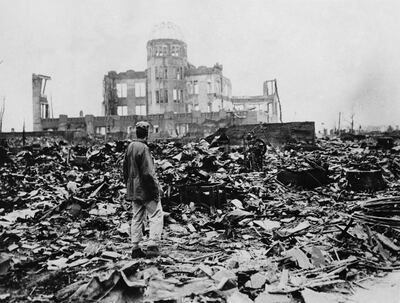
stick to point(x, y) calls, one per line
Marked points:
point(230, 236)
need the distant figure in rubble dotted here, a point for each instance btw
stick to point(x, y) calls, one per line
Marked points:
point(143, 192)
point(255, 150)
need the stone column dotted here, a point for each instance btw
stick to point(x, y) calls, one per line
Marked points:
point(36, 93)
point(89, 121)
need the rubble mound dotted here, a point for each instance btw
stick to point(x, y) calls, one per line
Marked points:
point(231, 235)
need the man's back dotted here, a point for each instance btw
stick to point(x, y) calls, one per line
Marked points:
point(139, 172)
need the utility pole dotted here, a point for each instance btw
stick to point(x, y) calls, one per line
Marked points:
point(108, 97)
point(352, 123)
point(107, 108)
point(2, 110)
point(23, 134)
point(279, 100)
point(222, 91)
point(51, 106)
point(339, 123)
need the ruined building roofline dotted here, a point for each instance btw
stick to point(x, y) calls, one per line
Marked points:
point(204, 70)
point(39, 76)
point(129, 74)
point(252, 98)
point(165, 40)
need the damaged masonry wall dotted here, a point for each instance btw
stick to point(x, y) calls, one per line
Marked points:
point(273, 133)
point(196, 124)
point(163, 125)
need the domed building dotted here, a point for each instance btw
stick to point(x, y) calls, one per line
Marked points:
point(166, 67)
point(166, 30)
point(175, 97)
point(170, 82)
point(172, 86)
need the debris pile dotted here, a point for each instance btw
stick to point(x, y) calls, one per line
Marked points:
point(230, 235)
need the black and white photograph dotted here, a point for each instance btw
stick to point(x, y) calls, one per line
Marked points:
point(205, 151)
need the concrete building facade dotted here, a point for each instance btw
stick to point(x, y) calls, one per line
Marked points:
point(172, 84)
point(125, 93)
point(208, 89)
point(267, 105)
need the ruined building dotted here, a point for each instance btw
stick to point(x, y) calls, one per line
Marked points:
point(169, 84)
point(177, 98)
point(39, 101)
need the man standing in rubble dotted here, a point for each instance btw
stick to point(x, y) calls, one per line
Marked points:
point(143, 192)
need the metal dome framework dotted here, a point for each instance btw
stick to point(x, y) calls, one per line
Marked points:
point(167, 30)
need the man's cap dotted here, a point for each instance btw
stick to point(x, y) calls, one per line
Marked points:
point(143, 125)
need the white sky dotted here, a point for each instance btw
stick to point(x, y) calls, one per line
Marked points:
point(328, 56)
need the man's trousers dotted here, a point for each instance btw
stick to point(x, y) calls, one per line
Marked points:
point(153, 210)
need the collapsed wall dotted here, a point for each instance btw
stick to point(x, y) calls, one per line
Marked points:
point(273, 133)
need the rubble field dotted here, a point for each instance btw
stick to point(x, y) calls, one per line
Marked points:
point(230, 235)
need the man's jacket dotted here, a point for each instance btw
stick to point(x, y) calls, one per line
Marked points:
point(139, 173)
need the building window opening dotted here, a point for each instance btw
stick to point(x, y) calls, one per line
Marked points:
point(158, 96)
point(165, 73)
point(269, 88)
point(209, 87)
point(122, 110)
point(140, 89)
point(166, 96)
point(179, 73)
point(164, 50)
point(217, 87)
point(181, 96)
point(44, 111)
point(122, 90)
point(175, 95)
point(158, 51)
point(140, 110)
point(226, 90)
point(190, 87)
point(156, 129)
point(175, 51)
point(196, 87)
point(101, 130)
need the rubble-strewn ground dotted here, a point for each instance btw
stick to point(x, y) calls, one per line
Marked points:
point(64, 226)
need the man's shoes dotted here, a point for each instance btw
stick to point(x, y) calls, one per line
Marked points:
point(138, 253)
point(152, 252)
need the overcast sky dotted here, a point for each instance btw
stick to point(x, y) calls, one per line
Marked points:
point(328, 56)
